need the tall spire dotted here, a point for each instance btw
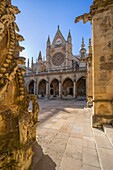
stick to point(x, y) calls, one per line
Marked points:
point(69, 38)
point(28, 63)
point(58, 27)
point(82, 50)
point(40, 56)
point(82, 45)
point(90, 46)
point(48, 42)
point(32, 63)
point(89, 41)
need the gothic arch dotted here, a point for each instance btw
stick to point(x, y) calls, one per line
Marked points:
point(42, 87)
point(81, 86)
point(31, 86)
point(80, 75)
point(67, 87)
point(54, 87)
point(30, 81)
point(69, 77)
point(43, 79)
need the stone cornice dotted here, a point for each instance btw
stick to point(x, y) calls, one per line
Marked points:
point(54, 73)
point(100, 5)
point(97, 7)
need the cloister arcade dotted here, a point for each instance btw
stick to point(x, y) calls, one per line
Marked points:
point(58, 88)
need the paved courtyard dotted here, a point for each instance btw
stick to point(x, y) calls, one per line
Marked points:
point(65, 138)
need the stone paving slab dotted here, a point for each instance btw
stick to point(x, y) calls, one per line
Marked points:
point(68, 163)
point(66, 136)
point(106, 157)
point(88, 167)
point(108, 129)
point(101, 139)
point(89, 142)
point(105, 149)
point(90, 157)
point(74, 151)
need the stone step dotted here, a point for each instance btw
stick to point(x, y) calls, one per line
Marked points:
point(108, 129)
point(104, 149)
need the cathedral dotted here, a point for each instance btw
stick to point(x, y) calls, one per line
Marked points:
point(62, 74)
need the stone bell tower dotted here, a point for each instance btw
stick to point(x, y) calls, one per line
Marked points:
point(17, 121)
point(101, 17)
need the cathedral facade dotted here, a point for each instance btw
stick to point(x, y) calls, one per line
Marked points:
point(62, 74)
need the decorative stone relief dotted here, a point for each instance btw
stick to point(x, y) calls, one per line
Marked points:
point(17, 125)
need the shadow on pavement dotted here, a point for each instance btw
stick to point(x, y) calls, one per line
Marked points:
point(41, 161)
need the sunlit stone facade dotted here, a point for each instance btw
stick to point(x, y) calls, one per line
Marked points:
point(62, 74)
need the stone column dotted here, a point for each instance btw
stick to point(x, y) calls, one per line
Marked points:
point(74, 90)
point(47, 88)
point(101, 17)
point(102, 63)
point(37, 87)
point(34, 87)
point(60, 89)
point(60, 86)
point(89, 82)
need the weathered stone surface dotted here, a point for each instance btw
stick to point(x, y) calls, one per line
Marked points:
point(108, 129)
point(101, 73)
point(90, 157)
point(88, 167)
point(17, 125)
point(70, 149)
point(106, 154)
point(104, 148)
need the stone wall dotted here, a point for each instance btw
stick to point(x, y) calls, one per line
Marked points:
point(102, 24)
point(101, 17)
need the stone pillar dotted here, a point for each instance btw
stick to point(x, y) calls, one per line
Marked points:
point(60, 86)
point(101, 17)
point(60, 89)
point(47, 89)
point(74, 90)
point(35, 87)
point(89, 84)
point(89, 77)
point(66, 56)
point(102, 61)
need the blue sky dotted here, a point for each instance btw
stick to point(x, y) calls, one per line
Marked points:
point(40, 18)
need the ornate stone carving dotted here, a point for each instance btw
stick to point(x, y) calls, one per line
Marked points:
point(58, 59)
point(17, 125)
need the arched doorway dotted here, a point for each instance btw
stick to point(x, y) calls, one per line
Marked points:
point(31, 87)
point(81, 87)
point(68, 87)
point(42, 88)
point(54, 88)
